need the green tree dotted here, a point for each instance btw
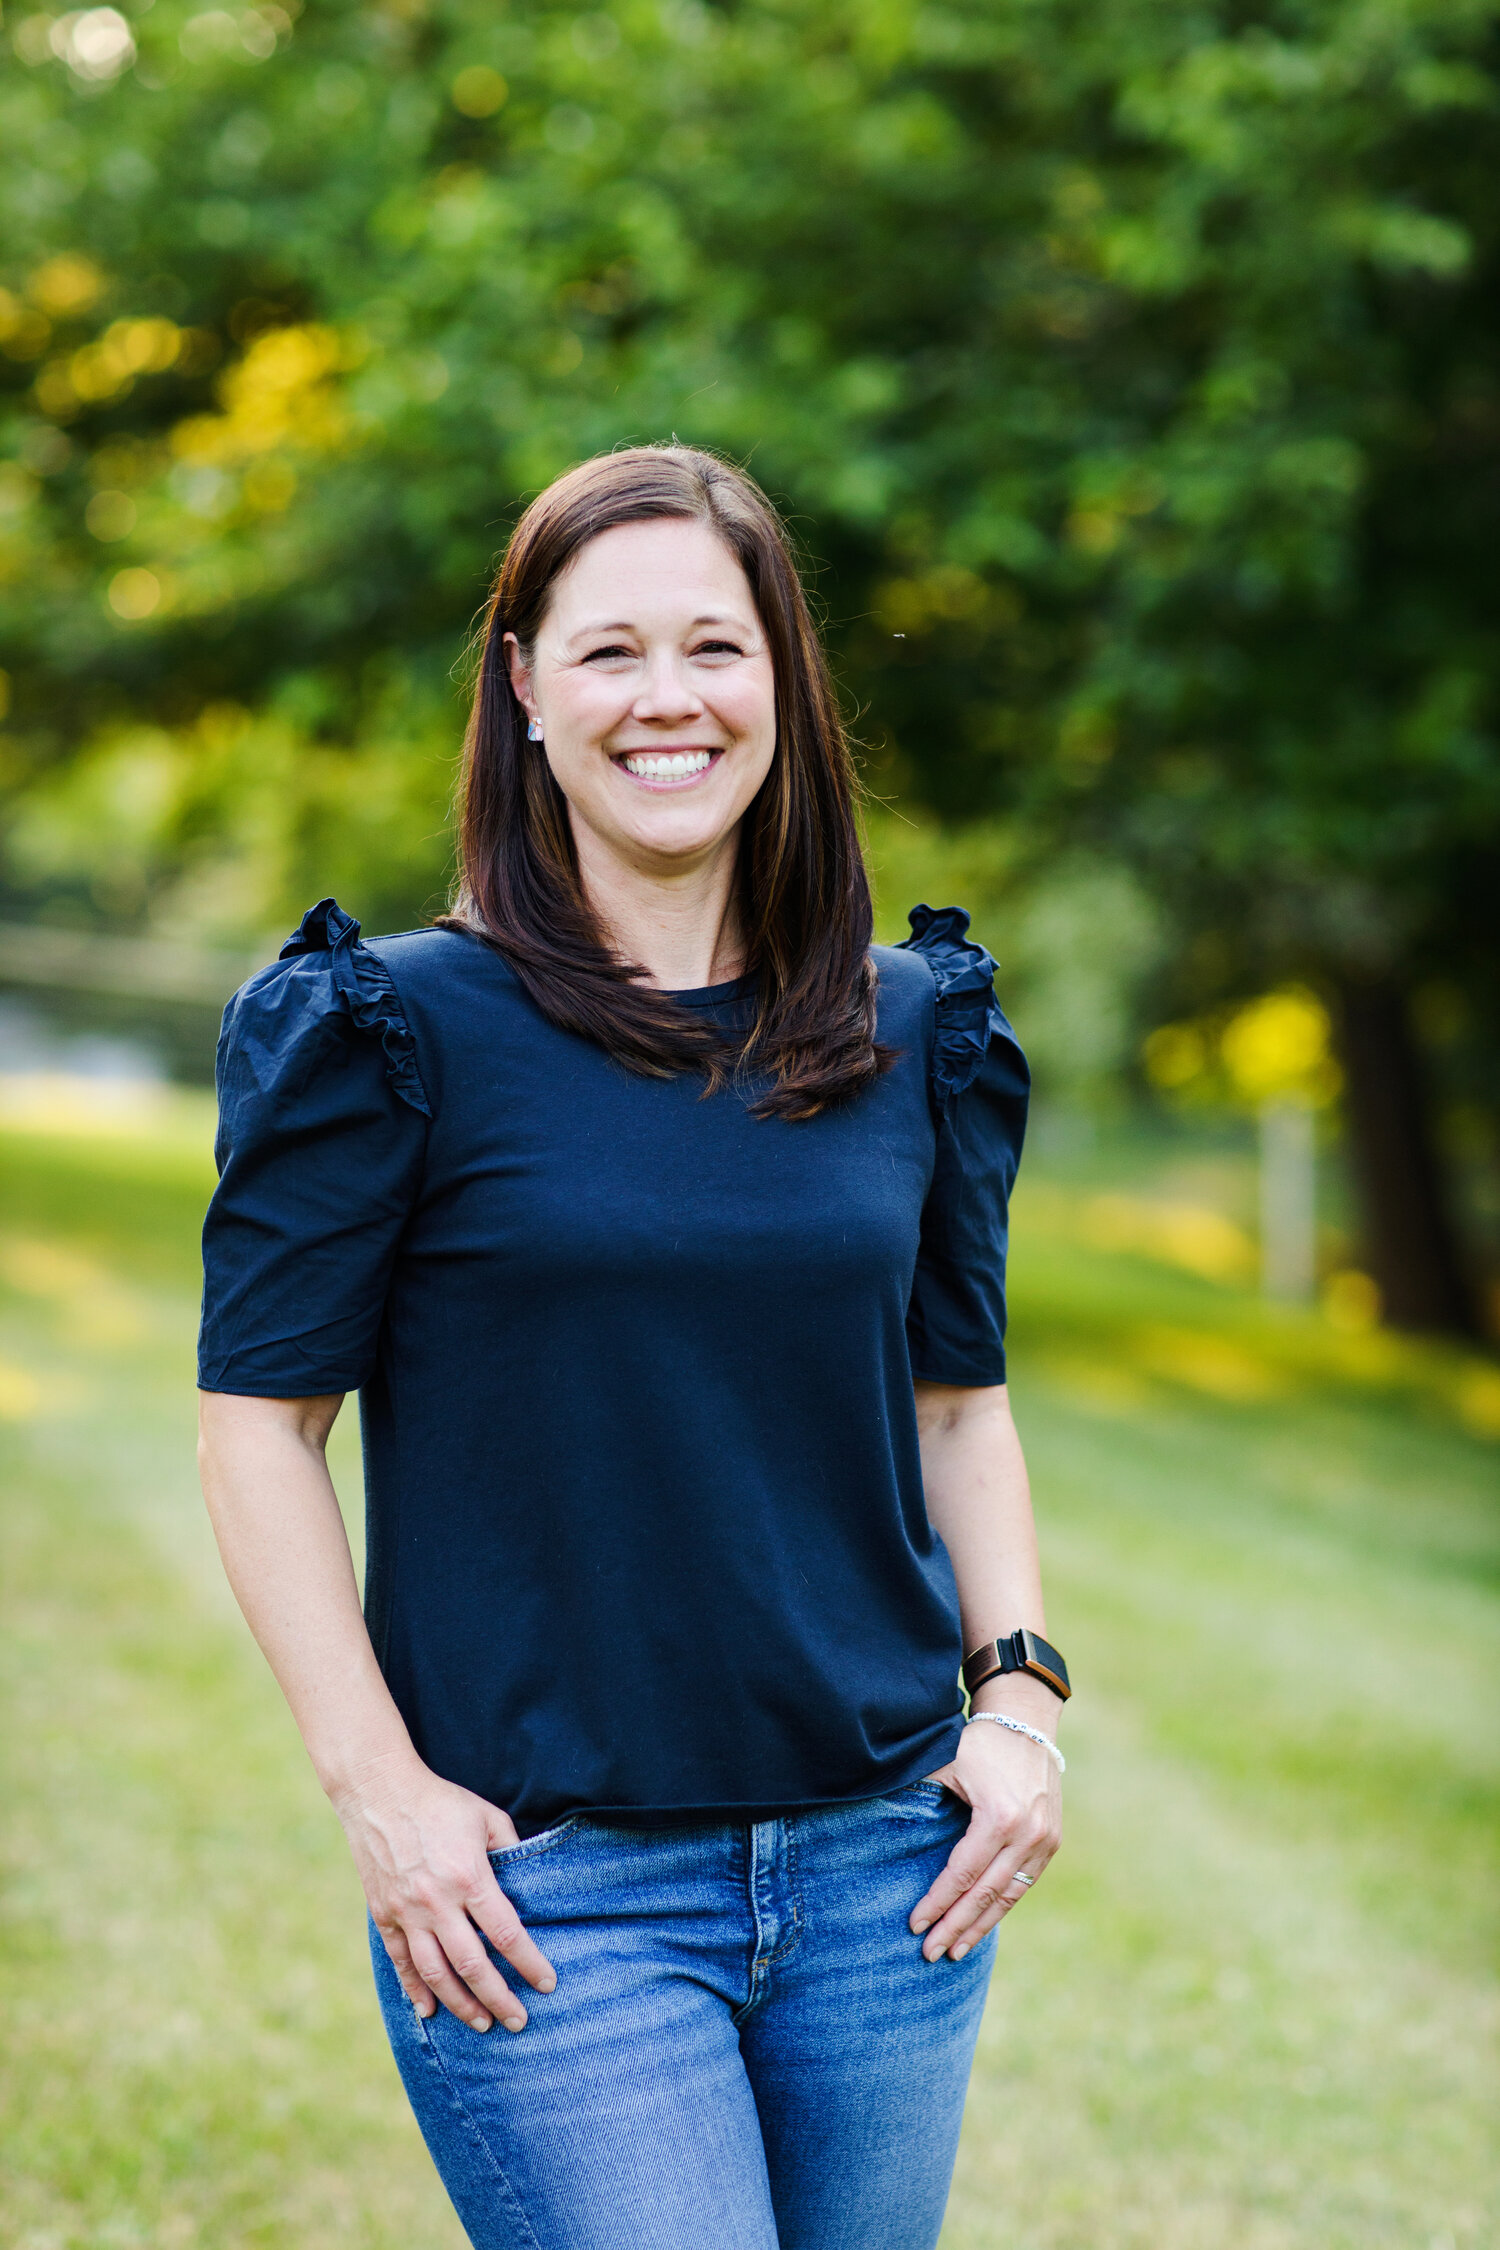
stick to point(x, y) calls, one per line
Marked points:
point(1130, 371)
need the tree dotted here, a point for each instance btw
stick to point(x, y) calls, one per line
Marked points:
point(1129, 371)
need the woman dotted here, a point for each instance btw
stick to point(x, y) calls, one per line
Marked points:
point(659, 1220)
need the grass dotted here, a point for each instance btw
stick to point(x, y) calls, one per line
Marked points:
point(1252, 2007)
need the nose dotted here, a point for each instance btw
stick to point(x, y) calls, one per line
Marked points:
point(667, 695)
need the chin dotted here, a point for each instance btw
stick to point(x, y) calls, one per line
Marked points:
point(677, 840)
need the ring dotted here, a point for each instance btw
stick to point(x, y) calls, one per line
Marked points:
point(1018, 1877)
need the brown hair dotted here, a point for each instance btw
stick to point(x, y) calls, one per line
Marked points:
point(804, 894)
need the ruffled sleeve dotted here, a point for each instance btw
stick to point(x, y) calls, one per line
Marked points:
point(323, 1121)
point(980, 1087)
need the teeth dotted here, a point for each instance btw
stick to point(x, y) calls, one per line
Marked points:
point(658, 765)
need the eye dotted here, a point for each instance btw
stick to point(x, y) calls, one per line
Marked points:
point(611, 653)
point(718, 648)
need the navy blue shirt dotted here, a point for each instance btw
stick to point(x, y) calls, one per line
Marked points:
point(646, 1531)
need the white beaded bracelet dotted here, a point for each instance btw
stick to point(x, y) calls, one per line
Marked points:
point(1032, 1734)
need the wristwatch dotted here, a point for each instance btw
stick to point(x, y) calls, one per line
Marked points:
point(1020, 1651)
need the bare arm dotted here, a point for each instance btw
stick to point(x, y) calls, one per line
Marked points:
point(979, 1501)
point(420, 1843)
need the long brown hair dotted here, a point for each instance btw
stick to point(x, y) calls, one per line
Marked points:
point(804, 894)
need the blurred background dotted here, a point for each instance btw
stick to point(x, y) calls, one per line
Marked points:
point(1130, 375)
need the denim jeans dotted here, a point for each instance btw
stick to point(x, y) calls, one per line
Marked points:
point(745, 2049)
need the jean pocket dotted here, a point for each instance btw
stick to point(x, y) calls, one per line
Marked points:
point(920, 1800)
point(531, 1847)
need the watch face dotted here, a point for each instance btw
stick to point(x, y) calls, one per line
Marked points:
point(1045, 1662)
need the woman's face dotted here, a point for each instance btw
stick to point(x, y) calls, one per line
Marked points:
point(652, 684)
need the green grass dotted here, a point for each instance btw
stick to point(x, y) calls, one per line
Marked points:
point(1251, 2008)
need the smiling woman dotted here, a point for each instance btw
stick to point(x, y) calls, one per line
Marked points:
point(711, 654)
point(660, 728)
point(690, 1471)
point(667, 695)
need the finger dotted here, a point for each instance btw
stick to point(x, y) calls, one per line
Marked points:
point(503, 1926)
point(465, 1951)
point(1012, 1895)
point(435, 1969)
point(985, 1893)
point(994, 1895)
point(984, 1838)
point(1002, 1843)
point(417, 1992)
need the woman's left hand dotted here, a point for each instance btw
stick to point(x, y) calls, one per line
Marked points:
point(1013, 1788)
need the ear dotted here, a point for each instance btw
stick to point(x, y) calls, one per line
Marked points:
point(520, 676)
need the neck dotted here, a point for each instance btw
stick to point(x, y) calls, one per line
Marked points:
point(682, 927)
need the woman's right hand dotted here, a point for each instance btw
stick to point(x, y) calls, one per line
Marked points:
point(421, 1845)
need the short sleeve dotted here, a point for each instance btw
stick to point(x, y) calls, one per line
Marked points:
point(322, 1136)
point(980, 1087)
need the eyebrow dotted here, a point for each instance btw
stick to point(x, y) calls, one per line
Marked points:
point(626, 625)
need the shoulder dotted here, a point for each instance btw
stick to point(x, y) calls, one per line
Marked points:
point(902, 972)
point(906, 996)
point(324, 989)
point(427, 954)
point(971, 1036)
point(440, 973)
point(940, 940)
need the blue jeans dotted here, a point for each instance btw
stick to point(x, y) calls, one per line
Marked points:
point(745, 2049)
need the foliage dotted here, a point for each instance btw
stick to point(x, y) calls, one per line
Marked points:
point(1128, 367)
point(1076, 936)
point(1279, 1045)
point(1129, 373)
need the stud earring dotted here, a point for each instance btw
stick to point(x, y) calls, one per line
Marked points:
point(533, 730)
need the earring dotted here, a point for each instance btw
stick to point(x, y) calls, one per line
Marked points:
point(533, 730)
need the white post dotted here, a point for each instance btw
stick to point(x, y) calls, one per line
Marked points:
point(1288, 1198)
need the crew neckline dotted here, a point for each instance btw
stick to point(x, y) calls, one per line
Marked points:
point(712, 995)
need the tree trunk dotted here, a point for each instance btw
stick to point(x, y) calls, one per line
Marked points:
point(1410, 1243)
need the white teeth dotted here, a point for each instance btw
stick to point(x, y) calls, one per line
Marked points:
point(673, 765)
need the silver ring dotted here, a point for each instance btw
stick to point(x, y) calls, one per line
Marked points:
point(1018, 1877)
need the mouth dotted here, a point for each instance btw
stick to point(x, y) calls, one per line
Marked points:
point(667, 769)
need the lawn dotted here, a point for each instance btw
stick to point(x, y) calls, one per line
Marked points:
point(1252, 2007)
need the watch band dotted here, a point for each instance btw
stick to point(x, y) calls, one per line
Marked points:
point(1020, 1651)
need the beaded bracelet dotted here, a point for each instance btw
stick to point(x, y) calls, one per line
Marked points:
point(1032, 1734)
